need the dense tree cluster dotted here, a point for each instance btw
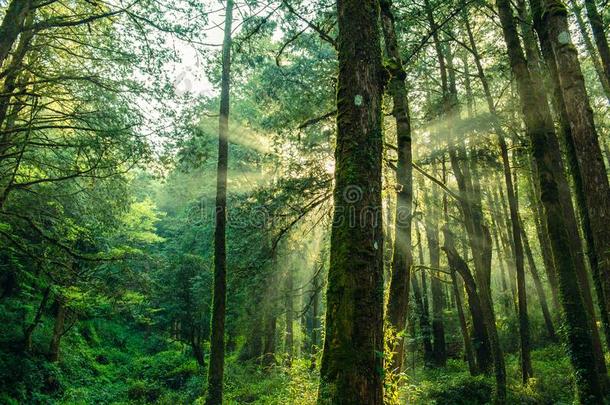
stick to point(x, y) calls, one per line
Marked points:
point(350, 202)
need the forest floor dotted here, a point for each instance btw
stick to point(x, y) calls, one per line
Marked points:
point(105, 362)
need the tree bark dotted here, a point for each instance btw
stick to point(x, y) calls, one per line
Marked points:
point(540, 129)
point(548, 321)
point(58, 330)
point(597, 26)
point(11, 26)
point(352, 359)
point(468, 352)
point(403, 257)
point(269, 338)
point(480, 335)
point(217, 338)
point(582, 146)
point(421, 298)
point(543, 237)
point(582, 27)
point(517, 247)
point(29, 331)
point(289, 337)
point(439, 351)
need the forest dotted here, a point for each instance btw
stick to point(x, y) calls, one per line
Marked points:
point(345, 202)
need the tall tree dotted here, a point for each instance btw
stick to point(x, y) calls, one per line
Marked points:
point(599, 33)
point(403, 256)
point(582, 142)
point(540, 129)
point(217, 338)
point(517, 246)
point(351, 370)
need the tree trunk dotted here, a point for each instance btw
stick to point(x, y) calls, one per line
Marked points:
point(403, 257)
point(468, 352)
point(548, 321)
point(478, 232)
point(352, 359)
point(480, 335)
point(289, 337)
point(27, 333)
point(543, 238)
point(582, 27)
point(217, 338)
point(421, 297)
point(12, 25)
point(517, 247)
point(58, 330)
point(597, 26)
point(424, 322)
point(197, 349)
point(540, 129)
point(566, 131)
point(583, 150)
point(439, 351)
point(269, 339)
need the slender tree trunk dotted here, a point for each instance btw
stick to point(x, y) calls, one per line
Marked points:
point(289, 337)
point(269, 338)
point(480, 335)
point(27, 333)
point(439, 350)
point(424, 320)
point(478, 232)
point(468, 352)
point(217, 338)
point(506, 295)
point(597, 26)
point(403, 257)
point(540, 130)
point(315, 314)
point(517, 247)
point(353, 347)
point(582, 27)
point(424, 323)
point(58, 330)
point(543, 238)
point(196, 346)
point(548, 321)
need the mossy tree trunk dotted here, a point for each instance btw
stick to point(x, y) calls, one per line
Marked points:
point(597, 65)
point(352, 361)
point(540, 129)
point(597, 26)
point(217, 338)
point(58, 329)
point(398, 301)
point(566, 133)
point(582, 144)
point(12, 25)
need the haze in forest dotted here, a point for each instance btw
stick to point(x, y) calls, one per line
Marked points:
point(304, 202)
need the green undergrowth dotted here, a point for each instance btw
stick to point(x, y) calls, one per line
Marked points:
point(453, 385)
point(105, 362)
